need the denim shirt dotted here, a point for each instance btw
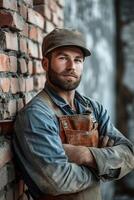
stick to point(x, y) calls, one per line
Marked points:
point(41, 156)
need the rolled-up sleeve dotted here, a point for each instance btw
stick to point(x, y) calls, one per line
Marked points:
point(112, 162)
point(40, 150)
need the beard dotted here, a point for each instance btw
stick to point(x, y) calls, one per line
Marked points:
point(58, 80)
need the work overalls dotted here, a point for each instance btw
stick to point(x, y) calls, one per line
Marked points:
point(78, 129)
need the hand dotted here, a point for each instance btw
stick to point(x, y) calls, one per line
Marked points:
point(80, 155)
point(105, 141)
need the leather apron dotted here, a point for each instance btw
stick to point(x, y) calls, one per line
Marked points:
point(78, 129)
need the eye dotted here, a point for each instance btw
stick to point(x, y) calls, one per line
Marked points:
point(63, 58)
point(78, 60)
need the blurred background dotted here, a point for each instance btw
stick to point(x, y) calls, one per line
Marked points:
point(108, 27)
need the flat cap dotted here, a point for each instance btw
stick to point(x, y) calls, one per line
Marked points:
point(64, 37)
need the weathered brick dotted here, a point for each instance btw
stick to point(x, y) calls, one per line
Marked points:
point(37, 67)
point(40, 35)
point(11, 107)
point(35, 18)
point(24, 32)
point(29, 84)
point(22, 84)
point(33, 33)
point(32, 49)
point(9, 4)
point(23, 44)
point(44, 10)
point(20, 104)
point(30, 67)
point(60, 13)
point(29, 3)
point(10, 19)
point(5, 154)
point(55, 19)
point(13, 63)
point(53, 5)
point(14, 85)
point(5, 84)
point(23, 9)
point(4, 63)
point(61, 3)
point(8, 40)
point(23, 65)
point(39, 82)
point(40, 51)
point(49, 26)
point(37, 2)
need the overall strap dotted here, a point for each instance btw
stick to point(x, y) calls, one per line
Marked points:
point(47, 99)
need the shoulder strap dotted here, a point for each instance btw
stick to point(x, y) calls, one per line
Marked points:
point(47, 99)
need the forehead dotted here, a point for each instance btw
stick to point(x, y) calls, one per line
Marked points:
point(68, 50)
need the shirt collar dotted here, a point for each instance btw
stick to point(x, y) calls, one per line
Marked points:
point(59, 101)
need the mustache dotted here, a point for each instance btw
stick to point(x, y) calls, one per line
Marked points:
point(73, 74)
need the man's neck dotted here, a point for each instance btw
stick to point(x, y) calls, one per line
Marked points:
point(68, 96)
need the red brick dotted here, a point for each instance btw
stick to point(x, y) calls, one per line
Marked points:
point(13, 63)
point(9, 19)
point(35, 18)
point(5, 154)
point(30, 67)
point(29, 84)
point(23, 65)
point(32, 49)
point(14, 85)
point(22, 84)
point(33, 32)
point(4, 63)
point(4, 84)
point(11, 41)
point(39, 82)
point(9, 4)
point(23, 44)
point(44, 10)
point(12, 107)
point(49, 26)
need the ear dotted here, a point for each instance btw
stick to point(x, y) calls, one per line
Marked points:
point(45, 63)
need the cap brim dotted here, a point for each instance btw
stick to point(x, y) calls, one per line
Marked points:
point(84, 50)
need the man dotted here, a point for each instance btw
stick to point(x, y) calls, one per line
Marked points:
point(64, 142)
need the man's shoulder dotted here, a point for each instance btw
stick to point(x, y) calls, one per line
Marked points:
point(36, 104)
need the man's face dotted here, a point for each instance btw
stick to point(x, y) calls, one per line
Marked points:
point(65, 68)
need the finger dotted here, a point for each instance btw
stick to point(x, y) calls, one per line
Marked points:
point(110, 143)
point(105, 141)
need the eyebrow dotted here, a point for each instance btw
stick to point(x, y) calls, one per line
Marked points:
point(64, 54)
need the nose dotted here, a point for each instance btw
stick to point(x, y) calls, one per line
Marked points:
point(71, 64)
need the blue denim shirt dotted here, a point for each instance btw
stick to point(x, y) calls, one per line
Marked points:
point(41, 156)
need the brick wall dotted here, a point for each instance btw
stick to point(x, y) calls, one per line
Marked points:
point(23, 23)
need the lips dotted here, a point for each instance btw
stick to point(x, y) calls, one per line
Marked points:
point(71, 75)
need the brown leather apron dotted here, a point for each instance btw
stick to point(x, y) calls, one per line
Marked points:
point(78, 129)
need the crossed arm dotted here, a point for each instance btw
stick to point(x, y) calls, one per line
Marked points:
point(82, 155)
